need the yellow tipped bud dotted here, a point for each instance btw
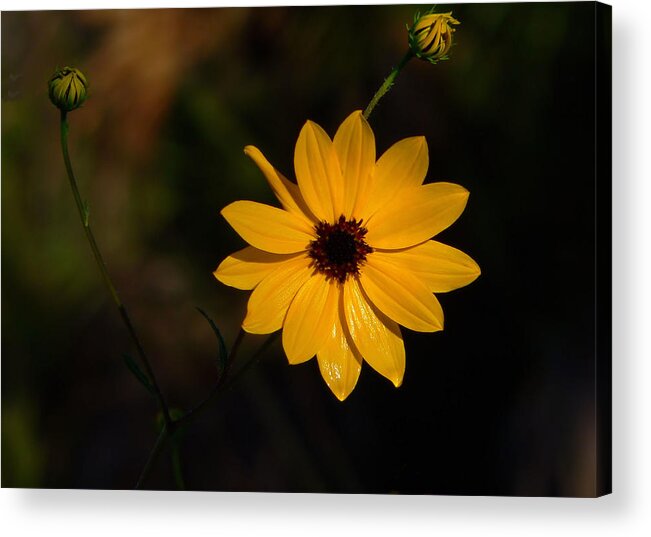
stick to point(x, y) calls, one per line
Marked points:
point(430, 37)
point(68, 89)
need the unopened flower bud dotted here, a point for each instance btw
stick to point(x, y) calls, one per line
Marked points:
point(430, 37)
point(68, 88)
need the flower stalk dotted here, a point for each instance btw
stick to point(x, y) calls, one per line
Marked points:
point(176, 465)
point(387, 84)
point(429, 39)
point(153, 457)
point(83, 210)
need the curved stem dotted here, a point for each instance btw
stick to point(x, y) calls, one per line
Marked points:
point(176, 464)
point(386, 85)
point(83, 215)
point(153, 456)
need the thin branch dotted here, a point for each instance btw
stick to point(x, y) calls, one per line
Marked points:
point(124, 315)
point(153, 456)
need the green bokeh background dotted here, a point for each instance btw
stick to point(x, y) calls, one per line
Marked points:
point(501, 402)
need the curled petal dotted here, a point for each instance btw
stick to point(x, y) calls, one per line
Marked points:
point(288, 193)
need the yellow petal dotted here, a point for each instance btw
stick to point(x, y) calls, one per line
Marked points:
point(339, 362)
point(355, 147)
point(441, 267)
point(376, 337)
point(268, 228)
point(416, 215)
point(309, 319)
point(246, 269)
point(401, 296)
point(403, 165)
point(269, 301)
point(287, 192)
point(425, 21)
point(431, 41)
point(318, 173)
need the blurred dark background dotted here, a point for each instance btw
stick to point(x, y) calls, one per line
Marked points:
point(501, 402)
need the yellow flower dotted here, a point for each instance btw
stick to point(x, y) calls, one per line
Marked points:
point(348, 258)
point(430, 38)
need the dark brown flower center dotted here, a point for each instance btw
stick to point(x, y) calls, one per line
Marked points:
point(339, 249)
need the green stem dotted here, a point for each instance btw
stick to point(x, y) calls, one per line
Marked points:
point(83, 215)
point(225, 381)
point(153, 456)
point(386, 85)
point(176, 464)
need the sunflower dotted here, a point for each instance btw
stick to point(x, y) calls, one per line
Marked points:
point(347, 259)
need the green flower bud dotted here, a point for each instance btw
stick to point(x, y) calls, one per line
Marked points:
point(68, 89)
point(430, 37)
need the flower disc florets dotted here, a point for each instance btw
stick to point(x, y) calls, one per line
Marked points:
point(339, 249)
